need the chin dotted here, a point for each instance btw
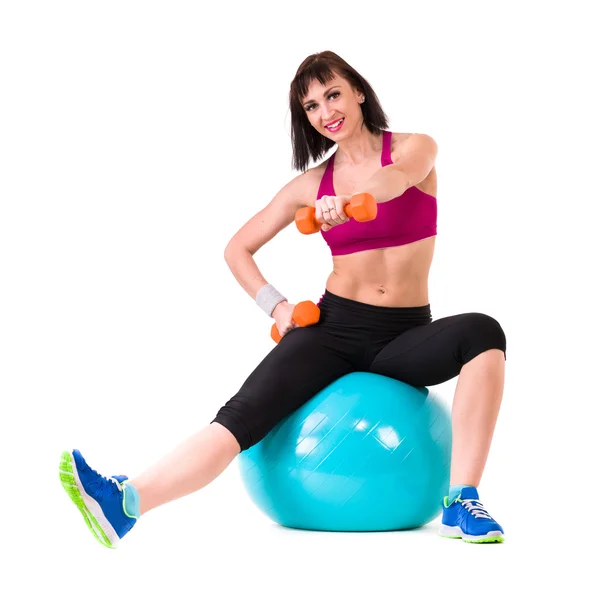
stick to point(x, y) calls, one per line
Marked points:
point(336, 137)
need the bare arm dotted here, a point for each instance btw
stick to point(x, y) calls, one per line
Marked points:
point(413, 160)
point(261, 228)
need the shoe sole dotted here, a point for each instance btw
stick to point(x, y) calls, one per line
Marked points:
point(88, 507)
point(456, 533)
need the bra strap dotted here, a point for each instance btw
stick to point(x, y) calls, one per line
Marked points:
point(386, 149)
point(326, 185)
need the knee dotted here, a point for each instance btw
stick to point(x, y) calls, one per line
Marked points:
point(249, 417)
point(235, 417)
point(482, 333)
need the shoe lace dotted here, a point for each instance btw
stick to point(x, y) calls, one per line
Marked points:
point(476, 509)
point(105, 484)
point(119, 485)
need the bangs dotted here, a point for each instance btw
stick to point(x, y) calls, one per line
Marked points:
point(320, 71)
point(307, 143)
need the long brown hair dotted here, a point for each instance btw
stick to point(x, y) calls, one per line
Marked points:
point(307, 142)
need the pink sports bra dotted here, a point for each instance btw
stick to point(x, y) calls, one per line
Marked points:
point(402, 220)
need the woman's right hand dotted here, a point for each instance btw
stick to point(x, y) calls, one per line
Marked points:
point(283, 317)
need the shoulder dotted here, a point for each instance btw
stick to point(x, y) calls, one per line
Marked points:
point(404, 144)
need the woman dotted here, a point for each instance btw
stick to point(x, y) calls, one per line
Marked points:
point(375, 312)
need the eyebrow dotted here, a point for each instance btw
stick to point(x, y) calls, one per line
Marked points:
point(325, 93)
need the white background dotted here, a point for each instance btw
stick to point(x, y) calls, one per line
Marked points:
point(137, 137)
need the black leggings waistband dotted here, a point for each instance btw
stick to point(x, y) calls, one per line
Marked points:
point(331, 303)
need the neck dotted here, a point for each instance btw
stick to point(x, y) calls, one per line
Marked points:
point(358, 146)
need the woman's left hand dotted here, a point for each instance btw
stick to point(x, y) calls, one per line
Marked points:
point(329, 210)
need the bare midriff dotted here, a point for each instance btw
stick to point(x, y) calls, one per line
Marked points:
point(396, 276)
point(385, 277)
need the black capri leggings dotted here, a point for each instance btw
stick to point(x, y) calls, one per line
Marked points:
point(401, 343)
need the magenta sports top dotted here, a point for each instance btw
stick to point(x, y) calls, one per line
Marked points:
point(402, 220)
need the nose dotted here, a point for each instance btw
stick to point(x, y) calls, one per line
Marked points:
point(327, 113)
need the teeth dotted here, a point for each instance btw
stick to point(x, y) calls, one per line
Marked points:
point(334, 125)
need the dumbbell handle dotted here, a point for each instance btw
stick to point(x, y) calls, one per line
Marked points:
point(362, 207)
point(305, 313)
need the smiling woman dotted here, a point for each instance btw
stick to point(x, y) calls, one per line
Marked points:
point(374, 315)
point(342, 83)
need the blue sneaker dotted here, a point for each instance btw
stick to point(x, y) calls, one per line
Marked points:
point(467, 519)
point(99, 499)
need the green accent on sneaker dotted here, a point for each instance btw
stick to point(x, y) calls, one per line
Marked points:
point(455, 491)
point(69, 484)
point(447, 501)
point(498, 538)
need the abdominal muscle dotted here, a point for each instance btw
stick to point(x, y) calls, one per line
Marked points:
point(396, 277)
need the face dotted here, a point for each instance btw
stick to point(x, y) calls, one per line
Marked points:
point(333, 109)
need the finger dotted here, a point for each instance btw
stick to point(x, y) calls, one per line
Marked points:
point(335, 217)
point(339, 208)
point(327, 209)
point(319, 213)
point(325, 216)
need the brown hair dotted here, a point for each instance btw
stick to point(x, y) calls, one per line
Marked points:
point(307, 142)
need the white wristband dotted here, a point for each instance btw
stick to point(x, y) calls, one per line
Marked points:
point(268, 298)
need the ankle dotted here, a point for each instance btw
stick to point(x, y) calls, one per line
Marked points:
point(131, 500)
point(455, 490)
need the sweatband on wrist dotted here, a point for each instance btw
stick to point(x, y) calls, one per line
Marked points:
point(268, 298)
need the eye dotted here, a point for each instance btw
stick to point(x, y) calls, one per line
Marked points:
point(311, 106)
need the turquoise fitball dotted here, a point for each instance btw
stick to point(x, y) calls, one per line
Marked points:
point(367, 453)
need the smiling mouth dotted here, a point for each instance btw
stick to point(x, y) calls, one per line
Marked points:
point(335, 125)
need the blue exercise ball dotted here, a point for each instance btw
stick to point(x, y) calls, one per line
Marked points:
point(367, 453)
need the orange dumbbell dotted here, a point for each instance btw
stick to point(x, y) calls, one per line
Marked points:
point(362, 207)
point(305, 313)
